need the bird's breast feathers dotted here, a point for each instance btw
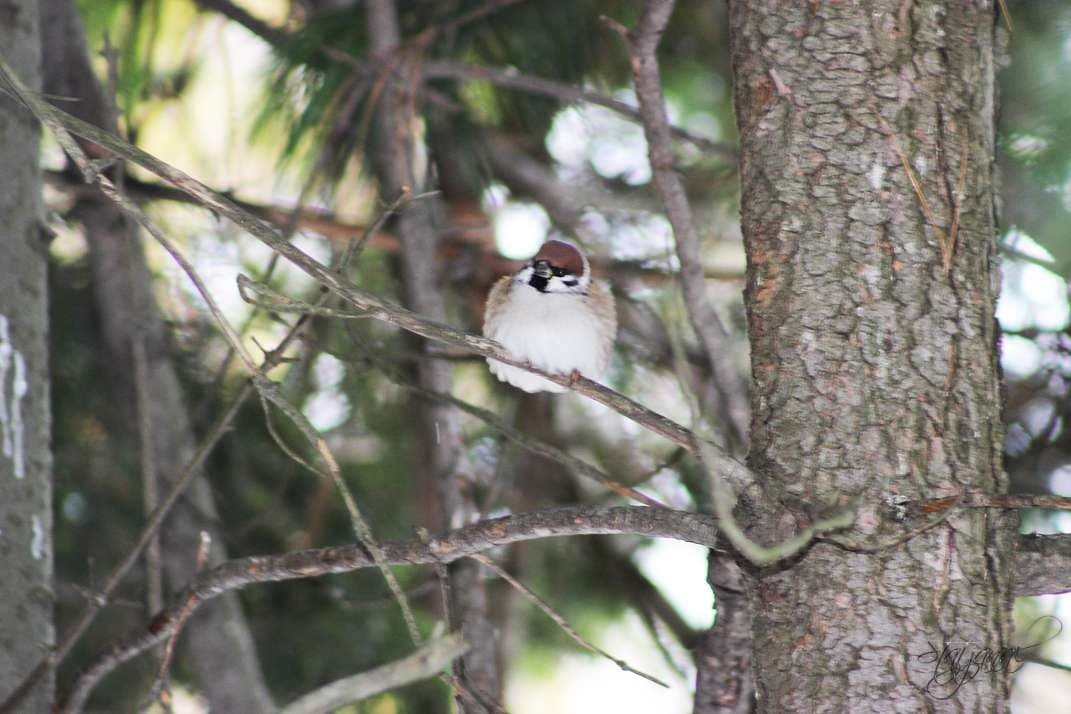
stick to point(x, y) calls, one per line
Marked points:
point(558, 332)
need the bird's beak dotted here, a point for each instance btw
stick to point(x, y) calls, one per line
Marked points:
point(542, 269)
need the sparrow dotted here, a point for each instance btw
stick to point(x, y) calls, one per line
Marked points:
point(552, 315)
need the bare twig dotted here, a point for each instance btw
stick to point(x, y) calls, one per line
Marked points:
point(445, 69)
point(946, 240)
point(565, 93)
point(377, 308)
point(1006, 14)
point(475, 15)
point(47, 115)
point(560, 621)
point(460, 543)
point(100, 599)
point(425, 662)
point(976, 499)
point(1034, 564)
point(160, 691)
point(578, 466)
point(643, 54)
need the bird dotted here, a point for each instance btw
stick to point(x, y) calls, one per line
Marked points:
point(552, 315)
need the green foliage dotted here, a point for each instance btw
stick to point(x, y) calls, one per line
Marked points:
point(154, 40)
point(1035, 121)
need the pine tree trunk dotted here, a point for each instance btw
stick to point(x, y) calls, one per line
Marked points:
point(26, 628)
point(874, 362)
point(218, 644)
point(439, 457)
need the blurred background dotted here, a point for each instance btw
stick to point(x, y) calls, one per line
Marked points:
point(252, 98)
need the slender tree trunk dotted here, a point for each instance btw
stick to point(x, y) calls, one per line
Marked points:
point(440, 454)
point(725, 681)
point(875, 368)
point(26, 628)
point(219, 645)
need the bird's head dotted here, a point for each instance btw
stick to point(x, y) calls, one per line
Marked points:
point(558, 267)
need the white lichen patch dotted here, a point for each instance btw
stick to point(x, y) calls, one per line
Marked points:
point(876, 174)
point(5, 364)
point(921, 165)
point(11, 424)
point(19, 387)
point(37, 542)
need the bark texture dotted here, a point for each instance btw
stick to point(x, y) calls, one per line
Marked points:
point(725, 681)
point(218, 642)
point(875, 370)
point(26, 628)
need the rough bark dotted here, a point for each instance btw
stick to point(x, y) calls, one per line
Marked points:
point(219, 645)
point(874, 368)
point(26, 627)
point(439, 446)
point(725, 683)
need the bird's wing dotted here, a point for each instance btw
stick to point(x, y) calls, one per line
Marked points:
point(496, 299)
point(602, 304)
point(602, 301)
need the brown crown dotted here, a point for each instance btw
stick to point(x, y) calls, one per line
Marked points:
point(562, 255)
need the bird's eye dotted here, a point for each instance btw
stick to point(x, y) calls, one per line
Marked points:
point(558, 272)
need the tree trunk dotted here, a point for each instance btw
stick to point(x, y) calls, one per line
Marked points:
point(219, 645)
point(875, 368)
point(439, 458)
point(26, 628)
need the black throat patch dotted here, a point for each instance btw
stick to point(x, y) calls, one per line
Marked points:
point(538, 283)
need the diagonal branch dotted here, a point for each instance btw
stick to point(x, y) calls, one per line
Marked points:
point(460, 543)
point(446, 69)
point(377, 308)
point(565, 93)
point(424, 663)
point(643, 47)
point(560, 621)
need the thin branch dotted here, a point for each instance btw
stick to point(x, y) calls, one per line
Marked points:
point(461, 543)
point(475, 15)
point(426, 662)
point(377, 308)
point(643, 54)
point(1042, 565)
point(48, 115)
point(565, 93)
point(466, 230)
point(578, 466)
point(946, 240)
point(977, 499)
point(560, 621)
point(445, 69)
point(277, 37)
point(1043, 661)
point(160, 691)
